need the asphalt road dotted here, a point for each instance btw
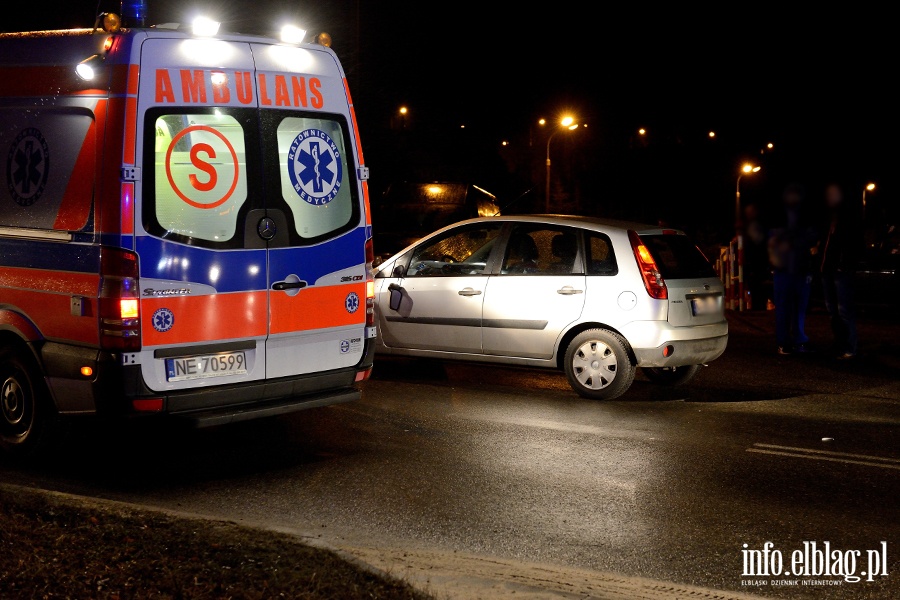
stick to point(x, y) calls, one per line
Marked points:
point(442, 469)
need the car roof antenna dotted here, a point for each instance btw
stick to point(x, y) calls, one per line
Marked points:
point(516, 199)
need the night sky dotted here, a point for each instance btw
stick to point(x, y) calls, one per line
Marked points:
point(818, 85)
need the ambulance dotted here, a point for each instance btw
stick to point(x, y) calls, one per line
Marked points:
point(184, 227)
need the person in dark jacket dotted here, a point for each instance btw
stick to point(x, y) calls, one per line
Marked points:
point(841, 252)
point(792, 246)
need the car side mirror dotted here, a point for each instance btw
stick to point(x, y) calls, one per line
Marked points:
point(396, 295)
point(399, 271)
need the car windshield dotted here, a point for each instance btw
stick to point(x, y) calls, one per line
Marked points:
point(678, 257)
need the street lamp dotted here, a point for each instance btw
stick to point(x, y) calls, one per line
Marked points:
point(869, 188)
point(735, 283)
point(567, 124)
point(745, 170)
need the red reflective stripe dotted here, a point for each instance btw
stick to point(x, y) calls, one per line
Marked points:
point(45, 80)
point(45, 297)
point(355, 125)
point(127, 208)
point(359, 152)
point(76, 201)
point(61, 282)
point(206, 318)
point(134, 72)
point(118, 81)
point(109, 190)
point(365, 187)
point(130, 130)
point(316, 308)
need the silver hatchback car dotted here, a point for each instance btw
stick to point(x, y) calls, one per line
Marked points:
point(596, 298)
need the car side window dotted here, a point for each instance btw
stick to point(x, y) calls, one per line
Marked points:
point(456, 253)
point(601, 260)
point(536, 250)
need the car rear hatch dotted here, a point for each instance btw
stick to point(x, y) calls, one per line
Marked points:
point(695, 292)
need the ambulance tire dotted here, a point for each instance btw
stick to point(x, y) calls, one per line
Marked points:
point(28, 417)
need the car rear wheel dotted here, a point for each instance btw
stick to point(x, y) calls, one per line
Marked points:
point(27, 415)
point(598, 366)
point(671, 376)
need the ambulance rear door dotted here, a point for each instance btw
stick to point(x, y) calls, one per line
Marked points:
point(203, 261)
point(314, 222)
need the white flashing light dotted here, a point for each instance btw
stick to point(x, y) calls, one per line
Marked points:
point(218, 78)
point(87, 68)
point(291, 34)
point(205, 27)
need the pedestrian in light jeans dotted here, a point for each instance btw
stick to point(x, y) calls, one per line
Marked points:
point(792, 245)
point(841, 251)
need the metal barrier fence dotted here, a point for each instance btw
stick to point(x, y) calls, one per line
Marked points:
point(730, 267)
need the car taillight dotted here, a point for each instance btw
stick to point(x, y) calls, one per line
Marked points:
point(370, 283)
point(653, 279)
point(120, 308)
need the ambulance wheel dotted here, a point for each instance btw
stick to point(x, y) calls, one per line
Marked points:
point(27, 414)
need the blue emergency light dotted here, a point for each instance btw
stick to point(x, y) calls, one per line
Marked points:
point(134, 12)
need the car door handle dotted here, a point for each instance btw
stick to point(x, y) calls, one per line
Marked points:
point(568, 290)
point(289, 285)
point(469, 292)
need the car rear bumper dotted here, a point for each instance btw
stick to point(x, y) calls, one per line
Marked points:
point(677, 353)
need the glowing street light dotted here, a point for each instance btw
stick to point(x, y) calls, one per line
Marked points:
point(746, 169)
point(566, 124)
point(738, 280)
point(712, 134)
point(870, 187)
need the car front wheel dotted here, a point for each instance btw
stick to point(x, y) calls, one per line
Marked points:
point(671, 376)
point(598, 366)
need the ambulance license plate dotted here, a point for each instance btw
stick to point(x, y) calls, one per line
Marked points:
point(206, 366)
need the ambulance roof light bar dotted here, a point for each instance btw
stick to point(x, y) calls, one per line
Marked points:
point(134, 13)
point(291, 34)
point(205, 27)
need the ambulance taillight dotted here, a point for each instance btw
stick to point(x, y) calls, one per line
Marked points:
point(370, 283)
point(120, 310)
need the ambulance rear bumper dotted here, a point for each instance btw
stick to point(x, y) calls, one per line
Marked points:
point(117, 389)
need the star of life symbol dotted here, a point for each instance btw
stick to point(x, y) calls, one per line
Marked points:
point(27, 167)
point(314, 166)
point(163, 319)
point(352, 302)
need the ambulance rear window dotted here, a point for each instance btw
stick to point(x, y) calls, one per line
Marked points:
point(316, 182)
point(200, 175)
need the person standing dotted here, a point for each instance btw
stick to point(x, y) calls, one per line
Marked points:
point(792, 245)
point(841, 252)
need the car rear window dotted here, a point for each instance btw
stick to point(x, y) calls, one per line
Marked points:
point(678, 257)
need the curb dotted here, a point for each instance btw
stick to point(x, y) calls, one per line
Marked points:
point(451, 575)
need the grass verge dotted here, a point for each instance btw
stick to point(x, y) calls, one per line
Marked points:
point(56, 546)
